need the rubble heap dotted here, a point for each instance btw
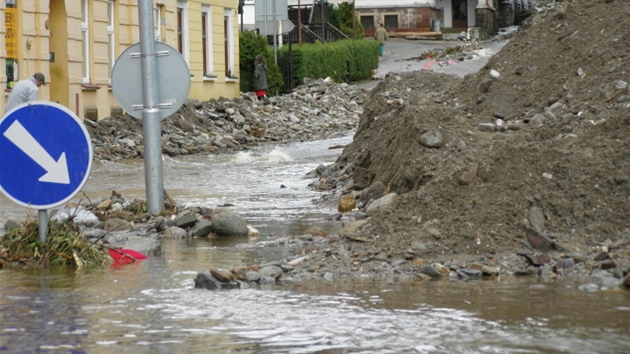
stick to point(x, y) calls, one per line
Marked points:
point(318, 109)
point(532, 150)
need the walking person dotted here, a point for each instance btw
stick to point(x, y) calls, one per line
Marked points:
point(24, 91)
point(260, 78)
point(381, 37)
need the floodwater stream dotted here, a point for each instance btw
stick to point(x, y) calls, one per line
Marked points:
point(153, 306)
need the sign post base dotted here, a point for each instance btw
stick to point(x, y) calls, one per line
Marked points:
point(43, 225)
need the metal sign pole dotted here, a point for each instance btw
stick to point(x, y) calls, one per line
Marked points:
point(43, 225)
point(275, 33)
point(151, 127)
point(265, 18)
point(299, 22)
point(323, 35)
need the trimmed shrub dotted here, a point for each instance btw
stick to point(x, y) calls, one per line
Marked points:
point(346, 60)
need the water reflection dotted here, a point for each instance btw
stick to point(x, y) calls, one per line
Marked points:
point(266, 185)
point(153, 307)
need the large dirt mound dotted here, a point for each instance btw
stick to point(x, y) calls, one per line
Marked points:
point(540, 136)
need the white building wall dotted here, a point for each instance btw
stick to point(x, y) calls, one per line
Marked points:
point(369, 3)
point(398, 3)
point(472, 16)
point(248, 16)
point(447, 10)
point(310, 2)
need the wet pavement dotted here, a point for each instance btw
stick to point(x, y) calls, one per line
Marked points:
point(403, 55)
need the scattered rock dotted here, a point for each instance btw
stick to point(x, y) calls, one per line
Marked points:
point(317, 110)
point(206, 281)
point(175, 233)
point(346, 203)
point(228, 223)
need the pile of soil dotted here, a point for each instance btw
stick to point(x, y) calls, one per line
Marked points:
point(538, 139)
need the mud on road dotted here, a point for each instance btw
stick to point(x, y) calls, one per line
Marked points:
point(538, 139)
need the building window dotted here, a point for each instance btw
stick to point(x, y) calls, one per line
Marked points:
point(111, 35)
point(85, 37)
point(206, 40)
point(391, 21)
point(158, 22)
point(367, 22)
point(228, 36)
point(182, 29)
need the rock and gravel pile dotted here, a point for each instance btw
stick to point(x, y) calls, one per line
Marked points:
point(319, 109)
point(523, 166)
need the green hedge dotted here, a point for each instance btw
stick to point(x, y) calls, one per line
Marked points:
point(346, 60)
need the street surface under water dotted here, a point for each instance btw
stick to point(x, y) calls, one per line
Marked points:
point(152, 306)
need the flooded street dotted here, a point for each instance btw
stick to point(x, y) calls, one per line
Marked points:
point(268, 185)
point(153, 306)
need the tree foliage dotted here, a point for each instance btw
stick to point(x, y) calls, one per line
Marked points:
point(250, 45)
point(347, 23)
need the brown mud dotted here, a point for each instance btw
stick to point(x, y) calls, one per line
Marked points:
point(539, 138)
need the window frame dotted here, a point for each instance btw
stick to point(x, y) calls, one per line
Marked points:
point(373, 26)
point(387, 24)
point(85, 38)
point(158, 12)
point(207, 41)
point(182, 29)
point(111, 35)
point(228, 35)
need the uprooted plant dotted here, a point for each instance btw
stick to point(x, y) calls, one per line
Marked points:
point(65, 246)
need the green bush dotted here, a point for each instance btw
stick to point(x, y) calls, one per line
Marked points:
point(250, 45)
point(347, 23)
point(346, 60)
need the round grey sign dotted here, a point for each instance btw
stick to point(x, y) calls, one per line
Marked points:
point(173, 80)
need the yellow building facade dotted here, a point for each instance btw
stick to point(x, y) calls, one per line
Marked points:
point(75, 43)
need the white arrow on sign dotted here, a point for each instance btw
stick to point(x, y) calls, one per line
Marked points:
point(57, 171)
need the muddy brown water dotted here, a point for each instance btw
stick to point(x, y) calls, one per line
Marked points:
point(153, 307)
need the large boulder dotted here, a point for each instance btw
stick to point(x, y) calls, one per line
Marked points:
point(228, 223)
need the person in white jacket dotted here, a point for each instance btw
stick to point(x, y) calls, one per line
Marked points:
point(24, 91)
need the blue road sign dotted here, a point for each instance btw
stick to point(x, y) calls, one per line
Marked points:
point(45, 155)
